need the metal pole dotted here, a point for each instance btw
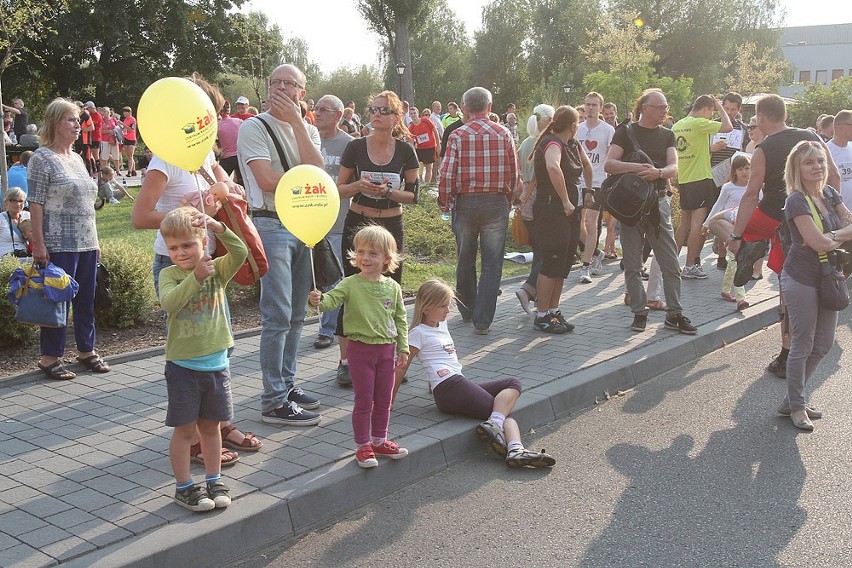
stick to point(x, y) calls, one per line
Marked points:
point(4, 169)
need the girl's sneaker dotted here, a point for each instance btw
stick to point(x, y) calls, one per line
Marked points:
point(194, 498)
point(741, 305)
point(728, 297)
point(388, 449)
point(366, 457)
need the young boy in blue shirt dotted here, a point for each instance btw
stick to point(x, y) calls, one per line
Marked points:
point(192, 292)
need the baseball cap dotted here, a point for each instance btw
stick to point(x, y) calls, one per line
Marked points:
point(242, 101)
point(90, 104)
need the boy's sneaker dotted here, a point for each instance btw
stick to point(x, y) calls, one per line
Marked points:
point(549, 324)
point(365, 457)
point(219, 493)
point(586, 275)
point(778, 368)
point(680, 323)
point(291, 414)
point(640, 322)
point(388, 449)
point(597, 263)
point(493, 434)
point(194, 498)
point(568, 327)
point(525, 458)
point(343, 377)
point(303, 399)
point(749, 253)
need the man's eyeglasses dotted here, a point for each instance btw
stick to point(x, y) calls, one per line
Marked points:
point(381, 110)
point(326, 109)
point(658, 107)
point(275, 83)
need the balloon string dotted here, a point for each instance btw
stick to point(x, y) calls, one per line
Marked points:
point(313, 275)
point(201, 201)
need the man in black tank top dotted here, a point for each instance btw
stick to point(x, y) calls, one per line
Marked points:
point(758, 222)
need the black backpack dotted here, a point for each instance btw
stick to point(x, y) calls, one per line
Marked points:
point(627, 196)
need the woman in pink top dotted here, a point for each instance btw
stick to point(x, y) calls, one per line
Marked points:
point(129, 129)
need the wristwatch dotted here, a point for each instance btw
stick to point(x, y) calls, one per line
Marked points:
point(833, 236)
point(389, 192)
point(733, 237)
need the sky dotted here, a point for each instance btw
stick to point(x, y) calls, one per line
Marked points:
point(347, 42)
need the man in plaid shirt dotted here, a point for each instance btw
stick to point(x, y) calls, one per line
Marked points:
point(479, 175)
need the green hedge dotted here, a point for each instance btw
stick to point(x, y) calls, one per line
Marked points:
point(133, 296)
point(12, 333)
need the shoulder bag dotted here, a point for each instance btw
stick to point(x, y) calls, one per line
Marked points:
point(627, 196)
point(833, 291)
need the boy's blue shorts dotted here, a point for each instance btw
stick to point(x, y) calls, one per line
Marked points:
point(197, 394)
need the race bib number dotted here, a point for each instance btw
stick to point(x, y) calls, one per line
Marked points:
point(422, 139)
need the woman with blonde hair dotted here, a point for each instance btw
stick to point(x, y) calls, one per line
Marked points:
point(819, 222)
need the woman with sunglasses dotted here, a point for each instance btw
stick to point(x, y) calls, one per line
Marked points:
point(812, 326)
point(379, 173)
point(11, 240)
point(755, 135)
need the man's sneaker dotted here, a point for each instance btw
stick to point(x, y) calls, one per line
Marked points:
point(194, 498)
point(343, 377)
point(586, 275)
point(549, 324)
point(323, 341)
point(303, 399)
point(365, 457)
point(749, 253)
point(493, 434)
point(597, 263)
point(640, 322)
point(721, 263)
point(778, 368)
point(568, 327)
point(680, 323)
point(388, 449)
point(219, 493)
point(526, 458)
point(291, 414)
point(694, 272)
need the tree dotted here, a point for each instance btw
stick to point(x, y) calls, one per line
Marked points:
point(752, 72)
point(349, 84)
point(256, 50)
point(22, 20)
point(394, 20)
point(819, 99)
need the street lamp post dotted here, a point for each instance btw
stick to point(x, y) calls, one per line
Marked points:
point(400, 71)
point(566, 88)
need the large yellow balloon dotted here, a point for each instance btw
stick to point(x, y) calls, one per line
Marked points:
point(307, 203)
point(178, 122)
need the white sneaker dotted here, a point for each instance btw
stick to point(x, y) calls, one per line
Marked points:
point(597, 263)
point(585, 275)
point(698, 272)
point(687, 272)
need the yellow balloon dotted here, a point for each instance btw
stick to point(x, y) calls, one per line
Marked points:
point(307, 203)
point(178, 122)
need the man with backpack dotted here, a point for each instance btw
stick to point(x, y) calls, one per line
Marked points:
point(653, 158)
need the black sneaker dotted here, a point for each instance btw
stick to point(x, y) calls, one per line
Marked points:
point(568, 327)
point(323, 341)
point(640, 322)
point(194, 498)
point(291, 414)
point(680, 323)
point(778, 368)
point(343, 377)
point(749, 253)
point(219, 493)
point(549, 324)
point(303, 399)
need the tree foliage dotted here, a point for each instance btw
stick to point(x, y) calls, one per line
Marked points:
point(256, 49)
point(357, 84)
point(21, 22)
point(820, 99)
point(556, 36)
point(753, 71)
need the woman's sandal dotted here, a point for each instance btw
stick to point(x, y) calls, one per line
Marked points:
point(250, 442)
point(228, 457)
point(56, 371)
point(95, 363)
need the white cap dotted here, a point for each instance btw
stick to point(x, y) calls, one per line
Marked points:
point(242, 101)
point(90, 104)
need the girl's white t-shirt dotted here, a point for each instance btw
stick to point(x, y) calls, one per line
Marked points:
point(436, 352)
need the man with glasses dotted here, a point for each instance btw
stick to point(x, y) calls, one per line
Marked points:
point(478, 178)
point(284, 289)
point(658, 143)
point(756, 222)
point(329, 111)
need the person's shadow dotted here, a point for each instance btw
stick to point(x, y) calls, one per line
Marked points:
point(733, 504)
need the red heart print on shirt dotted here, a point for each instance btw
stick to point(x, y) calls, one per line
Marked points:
point(590, 144)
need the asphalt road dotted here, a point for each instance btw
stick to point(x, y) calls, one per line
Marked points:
point(693, 468)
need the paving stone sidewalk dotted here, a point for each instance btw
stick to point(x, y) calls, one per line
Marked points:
point(85, 474)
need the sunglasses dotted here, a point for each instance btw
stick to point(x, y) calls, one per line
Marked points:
point(381, 110)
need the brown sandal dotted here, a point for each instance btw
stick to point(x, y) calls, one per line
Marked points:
point(250, 443)
point(228, 457)
point(95, 363)
point(56, 371)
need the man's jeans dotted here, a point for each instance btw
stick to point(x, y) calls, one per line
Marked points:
point(328, 321)
point(665, 253)
point(283, 304)
point(480, 221)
